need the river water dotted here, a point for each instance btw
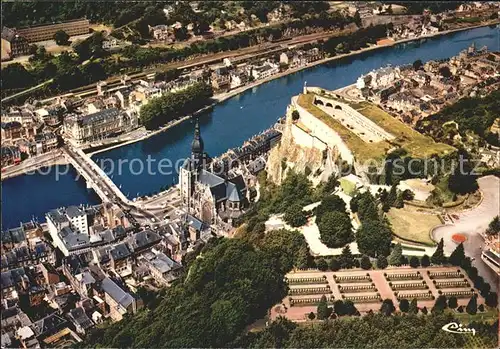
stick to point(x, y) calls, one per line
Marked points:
point(228, 125)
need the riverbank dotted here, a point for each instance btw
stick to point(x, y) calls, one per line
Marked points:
point(218, 98)
point(136, 136)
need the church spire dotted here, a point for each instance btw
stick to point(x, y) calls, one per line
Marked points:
point(197, 144)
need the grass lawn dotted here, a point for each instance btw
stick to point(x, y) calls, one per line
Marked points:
point(416, 144)
point(403, 218)
point(347, 186)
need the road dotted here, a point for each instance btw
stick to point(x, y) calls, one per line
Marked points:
point(138, 214)
point(53, 157)
point(472, 223)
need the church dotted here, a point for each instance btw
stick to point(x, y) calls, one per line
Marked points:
point(206, 195)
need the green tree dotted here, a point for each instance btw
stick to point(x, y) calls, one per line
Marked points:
point(311, 316)
point(346, 258)
point(438, 255)
point(303, 257)
point(396, 254)
point(339, 307)
point(350, 308)
point(335, 229)
point(323, 310)
point(382, 262)
point(399, 202)
point(392, 196)
point(417, 65)
point(425, 261)
point(329, 204)
point(321, 264)
point(457, 257)
point(494, 226)
point(491, 299)
point(61, 38)
point(413, 309)
point(295, 115)
point(365, 262)
point(452, 302)
point(387, 307)
point(295, 216)
point(472, 305)
point(334, 264)
point(374, 238)
point(404, 305)
point(414, 262)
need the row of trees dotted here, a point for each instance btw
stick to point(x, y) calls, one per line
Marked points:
point(372, 331)
point(171, 105)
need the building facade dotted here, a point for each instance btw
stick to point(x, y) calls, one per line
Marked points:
point(46, 31)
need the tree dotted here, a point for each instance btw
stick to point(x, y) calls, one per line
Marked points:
point(335, 229)
point(396, 254)
point(491, 299)
point(439, 305)
point(321, 264)
point(339, 308)
point(328, 204)
point(382, 262)
point(392, 196)
point(414, 262)
point(15, 76)
point(295, 115)
point(346, 258)
point(408, 195)
point(374, 238)
point(404, 305)
point(323, 310)
point(472, 305)
point(425, 261)
point(303, 257)
point(494, 226)
point(365, 262)
point(387, 307)
point(457, 257)
point(311, 316)
point(452, 302)
point(399, 203)
point(413, 309)
point(417, 65)
point(438, 255)
point(445, 71)
point(61, 38)
point(350, 308)
point(295, 216)
point(357, 19)
point(334, 264)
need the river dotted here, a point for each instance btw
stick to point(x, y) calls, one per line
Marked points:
point(226, 126)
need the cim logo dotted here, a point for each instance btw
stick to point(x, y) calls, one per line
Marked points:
point(453, 327)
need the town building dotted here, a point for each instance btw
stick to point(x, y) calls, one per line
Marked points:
point(102, 124)
point(13, 44)
point(208, 195)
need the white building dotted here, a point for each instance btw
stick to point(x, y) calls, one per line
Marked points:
point(265, 70)
point(69, 229)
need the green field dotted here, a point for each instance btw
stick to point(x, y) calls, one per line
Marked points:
point(347, 186)
point(416, 144)
point(421, 224)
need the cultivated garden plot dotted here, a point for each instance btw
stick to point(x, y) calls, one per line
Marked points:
point(368, 288)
